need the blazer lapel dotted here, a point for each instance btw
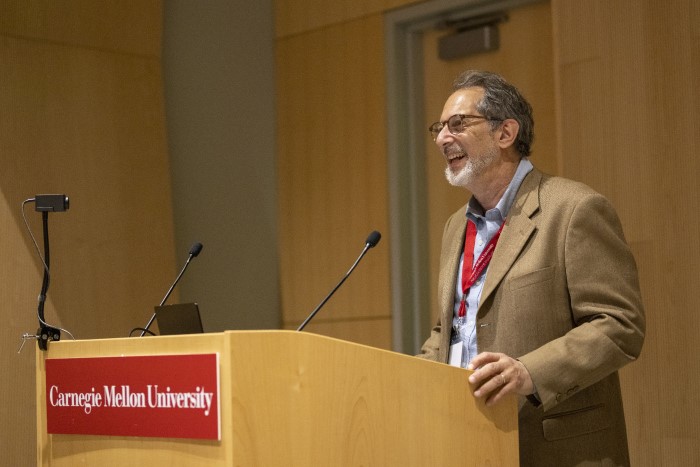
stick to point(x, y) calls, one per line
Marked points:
point(454, 240)
point(515, 234)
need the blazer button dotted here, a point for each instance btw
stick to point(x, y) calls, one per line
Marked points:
point(558, 397)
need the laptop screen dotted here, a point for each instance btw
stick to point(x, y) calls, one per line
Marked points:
point(181, 318)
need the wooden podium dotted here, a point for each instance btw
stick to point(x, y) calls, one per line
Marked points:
point(300, 399)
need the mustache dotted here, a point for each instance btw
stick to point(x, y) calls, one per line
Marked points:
point(453, 150)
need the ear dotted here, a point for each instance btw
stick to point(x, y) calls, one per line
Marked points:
point(508, 133)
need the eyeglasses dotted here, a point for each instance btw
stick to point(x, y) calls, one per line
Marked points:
point(456, 124)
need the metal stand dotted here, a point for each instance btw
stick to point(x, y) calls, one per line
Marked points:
point(45, 333)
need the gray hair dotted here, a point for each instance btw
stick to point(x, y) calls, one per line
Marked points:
point(501, 101)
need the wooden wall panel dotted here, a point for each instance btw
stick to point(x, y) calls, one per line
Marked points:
point(87, 121)
point(332, 170)
point(91, 125)
point(628, 104)
point(129, 26)
point(297, 16)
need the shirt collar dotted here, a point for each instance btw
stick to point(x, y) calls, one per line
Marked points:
point(500, 212)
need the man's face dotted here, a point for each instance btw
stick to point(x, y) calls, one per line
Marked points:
point(472, 151)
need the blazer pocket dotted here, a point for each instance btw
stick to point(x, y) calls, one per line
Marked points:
point(531, 278)
point(532, 299)
point(576, 423)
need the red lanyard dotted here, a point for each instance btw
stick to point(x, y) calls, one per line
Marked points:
point(471, 274)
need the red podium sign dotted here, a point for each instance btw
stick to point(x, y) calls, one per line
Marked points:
point(164, 396)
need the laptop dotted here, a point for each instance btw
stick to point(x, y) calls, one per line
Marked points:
point(181, 318)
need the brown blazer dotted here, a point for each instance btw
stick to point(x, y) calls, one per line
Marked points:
point(562, 296)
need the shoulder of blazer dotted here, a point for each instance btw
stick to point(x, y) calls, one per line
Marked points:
point(538, 187)
point(563, 189)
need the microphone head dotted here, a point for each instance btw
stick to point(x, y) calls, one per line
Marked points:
point(373, 239)
point(196, 249)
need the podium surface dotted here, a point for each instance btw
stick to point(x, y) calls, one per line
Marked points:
point(300, 399)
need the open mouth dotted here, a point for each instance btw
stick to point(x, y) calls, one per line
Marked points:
point(453, 152)
point(453, 155)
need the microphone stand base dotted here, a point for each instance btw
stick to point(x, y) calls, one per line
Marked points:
point(46, 334)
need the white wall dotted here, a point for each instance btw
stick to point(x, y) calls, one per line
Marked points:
point(220, 102)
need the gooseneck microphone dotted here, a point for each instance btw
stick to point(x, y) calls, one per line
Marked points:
point(194, 251)
point(371, 242)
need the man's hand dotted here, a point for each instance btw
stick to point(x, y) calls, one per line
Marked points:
point(497, 375)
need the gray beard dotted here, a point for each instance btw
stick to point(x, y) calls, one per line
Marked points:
point(471, 170)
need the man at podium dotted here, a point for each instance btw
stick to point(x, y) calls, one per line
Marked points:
point(538, 289)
